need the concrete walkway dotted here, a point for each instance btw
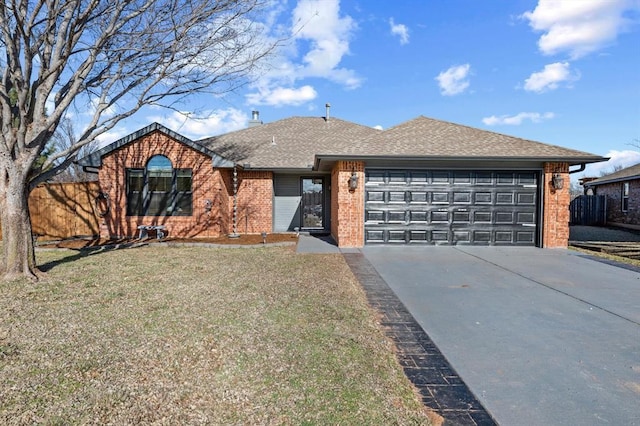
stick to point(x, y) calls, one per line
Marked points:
point(309, 243)
point(539, 336)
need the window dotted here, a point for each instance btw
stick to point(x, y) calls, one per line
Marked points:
point(625, 196)
point(159, 189)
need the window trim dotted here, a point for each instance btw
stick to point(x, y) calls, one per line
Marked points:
point(625, 196)
point(173, 198)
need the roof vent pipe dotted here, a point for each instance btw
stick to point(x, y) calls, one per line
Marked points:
point(328, 107)
point(255, 119)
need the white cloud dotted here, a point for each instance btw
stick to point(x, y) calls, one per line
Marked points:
point(516, 120)
point(622, 159)
point(578, 27)
point(400, 30)
point(318, 26)
point(454, 80)
point(112, 135)
point(378, 127)
point(208, 123)
point(551, 77)
point(280, 96)
point(328, 34)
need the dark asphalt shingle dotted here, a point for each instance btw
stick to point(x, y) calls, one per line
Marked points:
point(294, 142)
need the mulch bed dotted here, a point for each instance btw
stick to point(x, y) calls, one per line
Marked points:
point(245, 239)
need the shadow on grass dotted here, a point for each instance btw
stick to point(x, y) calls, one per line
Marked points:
point(88, 251)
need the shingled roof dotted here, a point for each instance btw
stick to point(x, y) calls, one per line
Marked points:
point(290, 143)
point(629, 173)
point(298, 142)
point(427, 137)
point(302, 142)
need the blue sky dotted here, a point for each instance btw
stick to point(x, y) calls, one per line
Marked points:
point(564, 72)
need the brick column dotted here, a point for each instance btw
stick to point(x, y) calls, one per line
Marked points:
point(347, 207)
point(555, 220)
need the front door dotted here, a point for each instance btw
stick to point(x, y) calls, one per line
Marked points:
point(313, 203)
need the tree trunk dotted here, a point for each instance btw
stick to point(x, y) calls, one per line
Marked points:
point(17, 242)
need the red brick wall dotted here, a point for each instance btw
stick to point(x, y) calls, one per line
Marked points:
point(613, 192)
point(555, 220)
point(255, 201)
point(347, 207)
point(211, 184)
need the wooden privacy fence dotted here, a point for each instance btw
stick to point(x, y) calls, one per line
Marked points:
point(589, 210)
point(64, 210)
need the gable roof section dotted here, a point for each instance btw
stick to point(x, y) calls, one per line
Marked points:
point(427, 137)
point(290, 143)
point(95, 159)
point(298, 143)
point(629, 173)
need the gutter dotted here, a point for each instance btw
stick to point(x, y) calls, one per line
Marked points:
point(582, 161)
point(604, 182)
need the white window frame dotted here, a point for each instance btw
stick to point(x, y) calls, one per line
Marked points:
point(625, 197)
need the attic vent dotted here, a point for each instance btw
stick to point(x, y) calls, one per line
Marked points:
point(328, 107)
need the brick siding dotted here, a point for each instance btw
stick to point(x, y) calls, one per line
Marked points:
point(347, 207)
point(613, 192)
point(255, 201)
point(210, 187)
point(555, 220)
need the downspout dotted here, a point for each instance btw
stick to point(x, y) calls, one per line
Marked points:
point(235, 234)
point(581, 169)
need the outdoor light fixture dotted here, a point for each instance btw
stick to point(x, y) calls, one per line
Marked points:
point(353, 181)
point(557, 181)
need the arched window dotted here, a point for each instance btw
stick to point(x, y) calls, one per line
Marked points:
point(159, 189)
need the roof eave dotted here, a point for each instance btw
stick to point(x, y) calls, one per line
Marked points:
point(616, 180)
point(573, 161)
point(95, 159)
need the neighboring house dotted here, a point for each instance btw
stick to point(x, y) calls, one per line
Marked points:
point(622, 192)
point(424, 181)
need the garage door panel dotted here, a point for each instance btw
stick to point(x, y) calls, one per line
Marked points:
point(461, 217)
point(418, 197)
point(418, 216)
point(440, 216)
point(526, 198)
point(374, 235)
point(396, 216)
point(374, 216)
point(451, 207)
point(397, 196)
point(462, 178)
point(375, 196)
point(482, 237)
point(482, 198)
point(505, 198)
point(525, 218)
point(440, 197)
point(462, 197)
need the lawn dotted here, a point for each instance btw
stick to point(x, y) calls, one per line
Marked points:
point(194, 335)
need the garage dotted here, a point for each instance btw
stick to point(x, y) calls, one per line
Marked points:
point(449, 207)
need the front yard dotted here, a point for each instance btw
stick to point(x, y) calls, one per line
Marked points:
point(196, 336)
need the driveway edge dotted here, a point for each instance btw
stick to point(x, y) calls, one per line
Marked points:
point(442, 390)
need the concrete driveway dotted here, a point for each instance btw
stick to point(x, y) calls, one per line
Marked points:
point(540, 336)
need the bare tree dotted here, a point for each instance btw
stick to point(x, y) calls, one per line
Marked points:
point(611, 170)
point(64, 138)
point(109, 58)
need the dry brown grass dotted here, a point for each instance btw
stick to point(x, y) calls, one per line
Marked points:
point(192, 335)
